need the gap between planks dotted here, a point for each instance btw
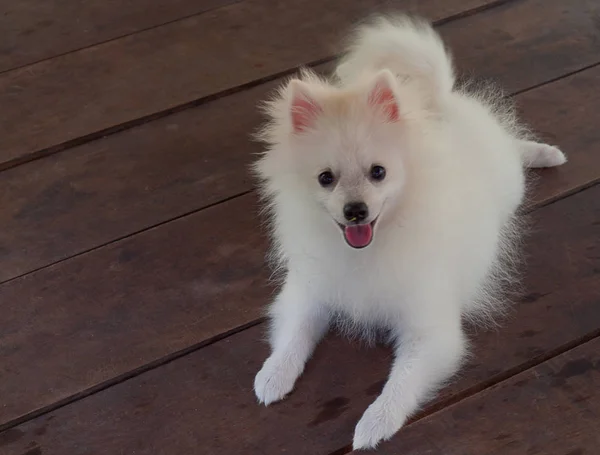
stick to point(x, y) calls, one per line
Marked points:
point(141, 30)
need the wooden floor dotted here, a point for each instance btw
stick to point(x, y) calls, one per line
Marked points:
point(132, 274)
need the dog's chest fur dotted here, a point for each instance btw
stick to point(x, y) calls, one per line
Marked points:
point(366, 287)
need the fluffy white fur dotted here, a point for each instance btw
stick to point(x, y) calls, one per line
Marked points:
point(454, 161)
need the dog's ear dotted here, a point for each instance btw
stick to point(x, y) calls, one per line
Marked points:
point(382, 95)
point(304, 109)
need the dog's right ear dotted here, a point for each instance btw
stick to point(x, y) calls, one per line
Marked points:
point(304, 109)
point(382, 95)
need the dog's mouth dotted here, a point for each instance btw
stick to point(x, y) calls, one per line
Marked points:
point(358, 235)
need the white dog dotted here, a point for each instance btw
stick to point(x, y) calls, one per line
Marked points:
point(393, 196)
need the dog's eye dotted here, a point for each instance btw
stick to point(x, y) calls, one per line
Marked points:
point(378, 173)
point(326, 178)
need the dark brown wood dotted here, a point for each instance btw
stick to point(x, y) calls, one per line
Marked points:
point(561, 106)
point(141, 304)
point(205, 399)
point(164, 169)
point(34, 30)
point(552, 409)
point(562, 290)
point(102, 314)
point(107, 189)
point(540, 34)
point(60, 101)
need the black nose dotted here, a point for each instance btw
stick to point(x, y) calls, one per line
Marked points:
point(356, 211)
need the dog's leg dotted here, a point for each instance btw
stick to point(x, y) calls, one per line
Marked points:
point(426, 356)
point(537, 154)
point(297, 325)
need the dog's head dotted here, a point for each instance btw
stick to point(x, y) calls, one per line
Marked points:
point(344, 146)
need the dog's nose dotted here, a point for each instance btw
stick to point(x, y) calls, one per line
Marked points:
point(356, 211)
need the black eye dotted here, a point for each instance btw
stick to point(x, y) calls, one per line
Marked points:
point(378, 173)
point(326, 178)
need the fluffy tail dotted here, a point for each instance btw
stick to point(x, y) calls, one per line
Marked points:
point(407, 46)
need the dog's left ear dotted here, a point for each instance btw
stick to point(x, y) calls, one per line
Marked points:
point(382, 95)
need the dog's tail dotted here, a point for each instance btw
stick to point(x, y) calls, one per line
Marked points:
point(407, 46)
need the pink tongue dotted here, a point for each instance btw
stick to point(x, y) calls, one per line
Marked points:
point(358, 235)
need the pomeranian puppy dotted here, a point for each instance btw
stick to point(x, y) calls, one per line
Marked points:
point(393, 198)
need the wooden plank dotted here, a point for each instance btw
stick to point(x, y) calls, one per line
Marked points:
point(566, 102)
point(205, 399)
point(552, 409)
point(552, 28)
point(34, 30)
point(88, 269)
point(58, 102)
point(206, 151)
point(208, 277)
point(196, 277)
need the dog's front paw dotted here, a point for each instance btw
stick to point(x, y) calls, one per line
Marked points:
point(275, 380)
point(378, 423)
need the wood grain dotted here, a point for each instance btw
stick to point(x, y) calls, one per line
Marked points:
point(34, 30)
point(552, 409)
point(549, 110)
point(205, 399)
point(95, 318)
point(541, 34)
point(83, 94)
point(127, 304)
point(167, 168)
